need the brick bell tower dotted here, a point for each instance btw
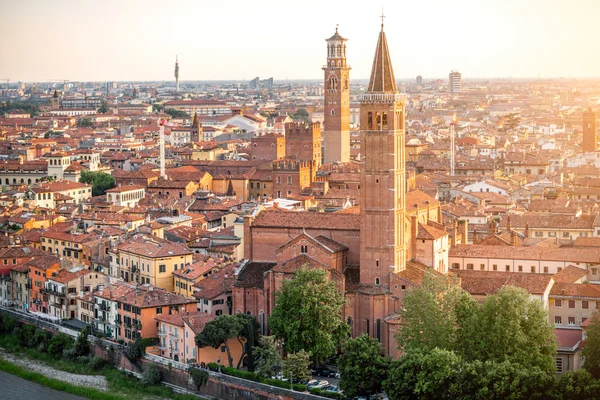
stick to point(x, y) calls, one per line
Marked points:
point(382, 198)
point(336, 131)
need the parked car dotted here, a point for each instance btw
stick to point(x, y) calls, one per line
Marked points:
point(338, 375)
point(325, 372)
point(318, 385)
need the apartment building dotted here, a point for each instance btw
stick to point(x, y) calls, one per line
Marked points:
point(148, 260)
point(65, 286)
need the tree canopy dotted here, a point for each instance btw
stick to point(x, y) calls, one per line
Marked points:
point(307, 314)
point(510, 326)
point(103, 107)
point(29, 106)
point(100, 181)
point(295, 366)
point(84, 123)
point(363, 367)
point(456, 348)
point(267, 358)
point(432, 313)
point(218, 332)
point(591, 351)
point(176, 113)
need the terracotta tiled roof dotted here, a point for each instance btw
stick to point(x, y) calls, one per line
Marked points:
point(64, 275)
point(153, 297)
point(549, 221)
point(570, 274)
point(196, 321)
point(527, 253)
point(216, 284)
point(426, 232)
point(308, 220)
point(43, 262)
point(489, 282)
point(153, 247)
point(415, 272)
point(252, 275)
point(563, 289)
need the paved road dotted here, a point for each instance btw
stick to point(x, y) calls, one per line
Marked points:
point(15, 388)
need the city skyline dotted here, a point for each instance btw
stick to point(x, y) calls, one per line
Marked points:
point(287, 41)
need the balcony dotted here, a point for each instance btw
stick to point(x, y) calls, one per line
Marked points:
point(104, 307)
point(53, 292)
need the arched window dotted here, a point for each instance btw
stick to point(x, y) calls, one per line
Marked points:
point(367, 327)
point(370, 120)
point(304, 249)
point(385, 122)
point(279, 180)
point(263, 323)
point(332, 113)
point(289, 180)
point(378, 330)
point(377, 281)
point(378, 121)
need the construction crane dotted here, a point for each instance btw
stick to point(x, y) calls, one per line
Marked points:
point(7, 82)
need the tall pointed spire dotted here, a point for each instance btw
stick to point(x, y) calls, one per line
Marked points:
point(382, 74)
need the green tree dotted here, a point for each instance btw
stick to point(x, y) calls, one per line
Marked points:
point(7, 323)
point(157, 107)
point(100, 181)
point(218, 332)
point(432, 313)
point(251, 332)
point(199, 377)
point(424, 375)
point(307, 314)
point(85, 123)
point(591, 351)
point(152, 375)
point(135, 350)
point(59, 343)
point(267, 358)
point(103, 107)
point(26, 333)
point(510, 326)
point(82, 344)
point(578, 385)
point(176, 113)
point(295, 366)
point(363, 367)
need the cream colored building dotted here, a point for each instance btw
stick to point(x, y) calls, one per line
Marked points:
point(537, 260)
point(125, 196)
point(52, 194)
point(147, 259)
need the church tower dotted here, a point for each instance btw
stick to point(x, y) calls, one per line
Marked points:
point(336, 132)
point(196, 131)
point(382, 196)
point(590, 131)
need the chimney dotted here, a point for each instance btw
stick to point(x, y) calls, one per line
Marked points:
point(475, 237)
point(513, 238)
point(454, 233)
point(465, 232)
point(414, 227)
point(508, 226)
point(526, 230)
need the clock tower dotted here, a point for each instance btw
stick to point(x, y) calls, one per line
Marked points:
point(336, 131)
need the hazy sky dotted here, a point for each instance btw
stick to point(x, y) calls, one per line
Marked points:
point(230, 39)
